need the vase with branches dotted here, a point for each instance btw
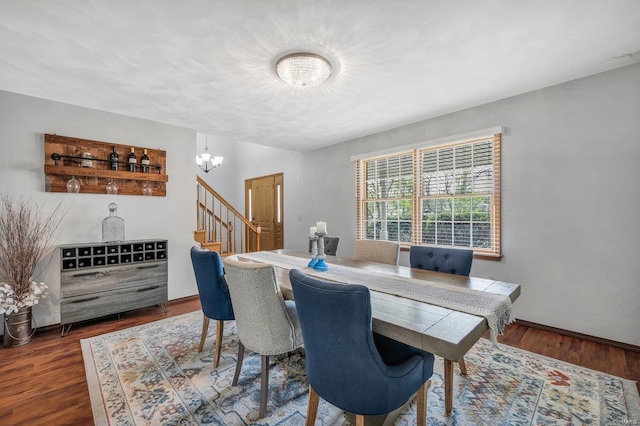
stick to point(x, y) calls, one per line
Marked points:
point(26, 230)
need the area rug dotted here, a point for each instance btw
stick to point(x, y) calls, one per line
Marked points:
point(154, 375)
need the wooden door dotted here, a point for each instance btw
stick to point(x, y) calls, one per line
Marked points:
point(264, 202)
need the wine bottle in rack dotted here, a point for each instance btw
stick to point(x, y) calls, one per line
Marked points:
point(132, 161)
point(144, 163)
point(114, 158)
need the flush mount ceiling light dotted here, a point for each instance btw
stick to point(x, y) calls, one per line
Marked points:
point(303, 69)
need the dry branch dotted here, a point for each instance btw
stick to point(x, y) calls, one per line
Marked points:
point(25, 233)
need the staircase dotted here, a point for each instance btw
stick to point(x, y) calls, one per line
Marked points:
point(220, 227)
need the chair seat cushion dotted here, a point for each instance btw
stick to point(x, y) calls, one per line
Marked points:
point(394, 353)
point(293, 315)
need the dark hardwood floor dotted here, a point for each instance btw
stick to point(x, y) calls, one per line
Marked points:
point(43, 382)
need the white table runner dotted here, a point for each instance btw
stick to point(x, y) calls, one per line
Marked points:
point(496, 308)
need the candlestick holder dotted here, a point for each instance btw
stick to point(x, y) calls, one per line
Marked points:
point(321, 265)
point(314, 251)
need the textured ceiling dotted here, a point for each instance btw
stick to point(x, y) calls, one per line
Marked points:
point(209, 65)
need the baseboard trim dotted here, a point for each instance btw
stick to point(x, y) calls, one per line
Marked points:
point(569, 333)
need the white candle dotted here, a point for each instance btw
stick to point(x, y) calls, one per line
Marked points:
point(312, 231)
point(322, 227)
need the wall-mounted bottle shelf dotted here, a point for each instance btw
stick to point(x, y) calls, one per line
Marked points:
point(65, 157)
point(110, 174)
point(153, 168)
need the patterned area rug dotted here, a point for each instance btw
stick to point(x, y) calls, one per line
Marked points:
point(154, 375)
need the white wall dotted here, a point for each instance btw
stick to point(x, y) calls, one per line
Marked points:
point(569, 191)
point(570, 200)
point(24, 121)
point(243, 160)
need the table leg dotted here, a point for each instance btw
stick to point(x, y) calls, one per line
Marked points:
point(463, 366)
point(448, 386)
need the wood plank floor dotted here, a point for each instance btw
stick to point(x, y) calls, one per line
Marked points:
point(43, 382)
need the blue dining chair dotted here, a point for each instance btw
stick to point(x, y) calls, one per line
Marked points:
point(214, 294)
point(441, 259)
point(349, 365)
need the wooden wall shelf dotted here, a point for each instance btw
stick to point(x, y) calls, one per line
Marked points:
point(94, 179)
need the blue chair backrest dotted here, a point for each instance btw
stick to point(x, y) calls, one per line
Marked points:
point(343, 364)
point(212, 286)
point(441, 259)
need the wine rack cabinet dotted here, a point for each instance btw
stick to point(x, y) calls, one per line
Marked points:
point(88, 162)
point(102, 279)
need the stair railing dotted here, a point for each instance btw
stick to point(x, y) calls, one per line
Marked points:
point(220, 226)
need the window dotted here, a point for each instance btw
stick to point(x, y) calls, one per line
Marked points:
point(388, 207)
point(445, 195)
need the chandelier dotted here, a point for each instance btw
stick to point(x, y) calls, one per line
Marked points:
point(204, 160)
point(303, 69)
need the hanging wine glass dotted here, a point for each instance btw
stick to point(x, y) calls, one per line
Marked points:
point(73, 186)
point(147, 189)
point(112, 188)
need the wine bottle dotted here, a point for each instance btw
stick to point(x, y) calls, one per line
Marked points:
point(132, 160)
point(144, 163)
point(114, 158)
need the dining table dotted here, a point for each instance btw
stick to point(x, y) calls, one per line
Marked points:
point(441, 330)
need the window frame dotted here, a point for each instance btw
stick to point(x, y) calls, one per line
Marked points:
point(494, 251)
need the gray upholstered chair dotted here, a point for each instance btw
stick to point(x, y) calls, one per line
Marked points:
point(330, 246)
point(377, 251)
point(267, 324)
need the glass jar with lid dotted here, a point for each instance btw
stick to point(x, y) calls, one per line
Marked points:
point(112, 226)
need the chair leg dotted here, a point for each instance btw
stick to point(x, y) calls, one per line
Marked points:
point(422, 404)
point(216, 358)
point(359, 420)
point(205, 328)
point(463, 366)
point(312, 407)
point(264, 386)
point(238, 363)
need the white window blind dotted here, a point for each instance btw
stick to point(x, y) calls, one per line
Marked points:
point(389, 198)
point(447, 195)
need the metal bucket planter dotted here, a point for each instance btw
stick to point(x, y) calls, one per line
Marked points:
point(18, 328)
